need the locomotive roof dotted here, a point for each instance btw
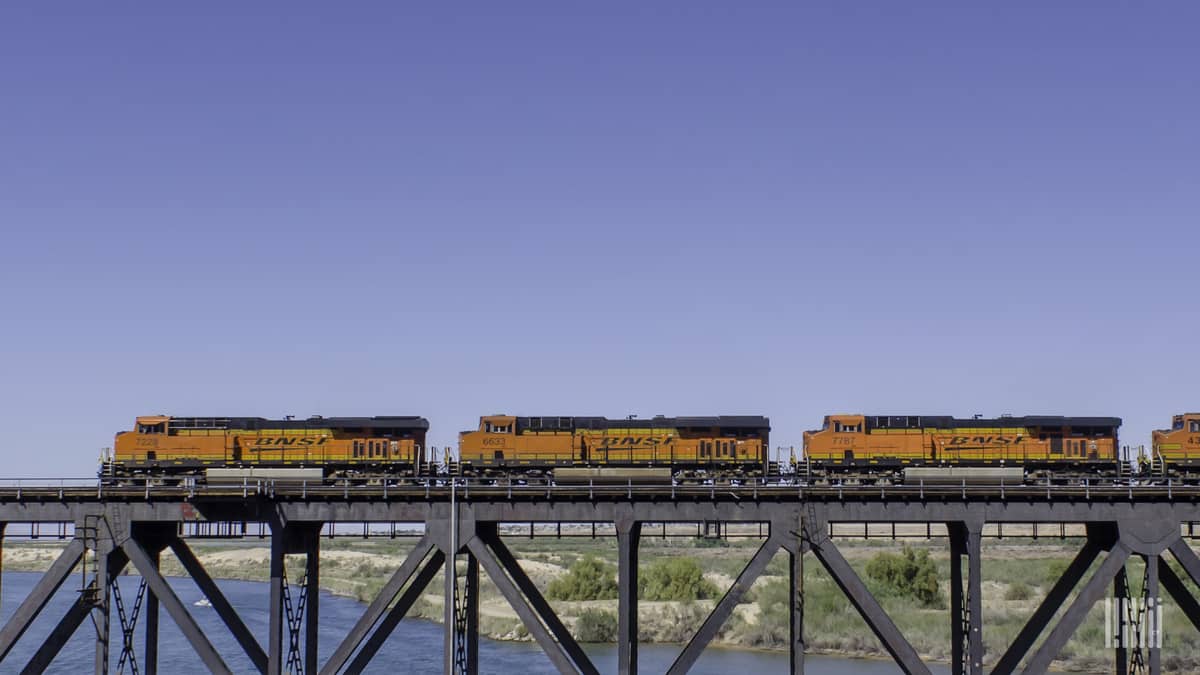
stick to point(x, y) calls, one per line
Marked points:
point(315, 422)
point(949, 422)
point(657, 422)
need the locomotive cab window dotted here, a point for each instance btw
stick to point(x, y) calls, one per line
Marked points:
point(1194, 426)
point(159, 428)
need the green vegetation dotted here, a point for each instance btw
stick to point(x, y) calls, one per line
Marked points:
point(1018, 591)
point(596, 625)
point(910, 574)
point(675, 579)
point(588, 579)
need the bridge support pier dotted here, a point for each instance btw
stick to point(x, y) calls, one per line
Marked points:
point(461, 610)
point(294, 619)
point(102, 612)
point(629, 536)
point(966, 604)
point(796, 549)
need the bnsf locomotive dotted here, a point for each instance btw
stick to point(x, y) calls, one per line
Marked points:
point(891, 448)
point(847, 448)
point(568, 449)
point(173, 449)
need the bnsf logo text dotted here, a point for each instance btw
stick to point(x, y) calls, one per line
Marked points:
point(610, 441)
point(984, 440)
point(302, 441)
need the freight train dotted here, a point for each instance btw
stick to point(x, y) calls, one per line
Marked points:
point(863, 449)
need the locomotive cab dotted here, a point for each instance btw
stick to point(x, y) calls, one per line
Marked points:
point(1177, 448)
point(495, 435)
point(837, 439)
point(154, 424)
point(497, 424)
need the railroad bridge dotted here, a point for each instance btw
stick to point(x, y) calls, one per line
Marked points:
point(460, 528)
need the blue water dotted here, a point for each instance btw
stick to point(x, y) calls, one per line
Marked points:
point(415, 646)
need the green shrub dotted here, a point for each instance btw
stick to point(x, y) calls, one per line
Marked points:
point(910, 574)
point(588, 579)
point(774, 615)
point(596, 625)
point(1018, 590)
point(675, 579)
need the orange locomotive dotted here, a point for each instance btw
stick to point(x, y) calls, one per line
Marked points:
point(893, 448)
point(571, 449)
point(1175, 452)
point(235, 448)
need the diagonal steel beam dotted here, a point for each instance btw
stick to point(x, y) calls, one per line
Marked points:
point(58, 637)
point(1174, 585)
point(1077, 612)
point(716, 619)
point(166, 596)
point(378, 606)
point(45, 588)
point(396, 613)
point(150, 655)
point(220, 604)
point(868, 607)
point(1045, 611)
point(1187, 558)
point(495, 570)
point(539, 603)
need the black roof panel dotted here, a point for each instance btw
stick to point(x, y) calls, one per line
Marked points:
point(253, 423)
point(565, 423)
point(948, 422)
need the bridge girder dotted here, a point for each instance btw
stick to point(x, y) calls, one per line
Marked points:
point(119, 533)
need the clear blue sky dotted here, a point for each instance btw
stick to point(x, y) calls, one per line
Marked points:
point(593, 208)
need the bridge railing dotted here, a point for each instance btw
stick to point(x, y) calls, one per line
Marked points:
point(512, 486)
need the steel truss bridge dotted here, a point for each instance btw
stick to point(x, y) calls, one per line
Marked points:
point(118, 528)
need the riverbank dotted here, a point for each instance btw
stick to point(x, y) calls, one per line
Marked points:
point(1016, 576)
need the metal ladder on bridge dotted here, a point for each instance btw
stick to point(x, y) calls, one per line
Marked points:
point(89, 532)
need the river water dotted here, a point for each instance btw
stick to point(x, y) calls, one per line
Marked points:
point(415, 646)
